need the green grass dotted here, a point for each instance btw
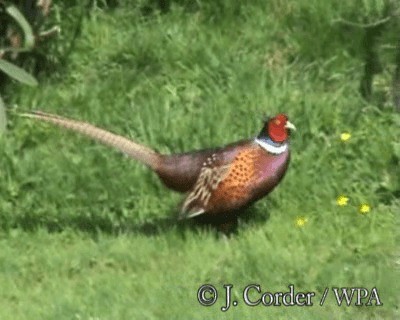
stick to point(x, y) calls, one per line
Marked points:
point(84, 230)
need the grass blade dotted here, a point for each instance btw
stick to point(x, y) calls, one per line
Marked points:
point(17, 73)
point(2, 116)
point(26, 27)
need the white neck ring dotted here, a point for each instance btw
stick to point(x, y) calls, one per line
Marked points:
point(274, 149)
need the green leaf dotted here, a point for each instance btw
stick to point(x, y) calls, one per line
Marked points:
point(17, 73)
point(26, 27)
point(2, 116)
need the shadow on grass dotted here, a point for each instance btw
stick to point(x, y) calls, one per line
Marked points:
point(95, 225)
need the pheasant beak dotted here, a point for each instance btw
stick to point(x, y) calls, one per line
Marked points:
point(290, 125)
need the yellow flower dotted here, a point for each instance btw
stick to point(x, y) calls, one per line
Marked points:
point(342, 200)
point(301, 221)
point(365, 208)
point(345, 136)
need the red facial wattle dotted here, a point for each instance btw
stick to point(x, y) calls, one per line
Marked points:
point(276, 128)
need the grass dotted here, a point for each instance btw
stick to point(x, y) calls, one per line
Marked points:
point(85, 231)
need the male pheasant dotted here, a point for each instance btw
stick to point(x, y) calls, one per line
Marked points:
point(219, 182)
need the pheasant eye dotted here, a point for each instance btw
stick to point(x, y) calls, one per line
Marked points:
point(277, 122)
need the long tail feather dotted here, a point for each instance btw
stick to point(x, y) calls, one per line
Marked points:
point(139, 152)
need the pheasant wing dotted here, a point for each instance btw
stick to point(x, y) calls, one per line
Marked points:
point(211, 175)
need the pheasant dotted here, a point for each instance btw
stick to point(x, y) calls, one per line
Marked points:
point(220, 182)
